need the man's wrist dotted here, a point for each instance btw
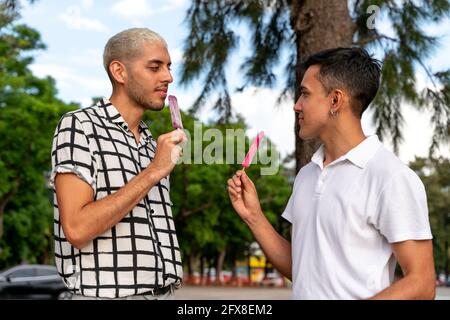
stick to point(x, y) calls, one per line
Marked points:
point(153, 174)
point(255, 218)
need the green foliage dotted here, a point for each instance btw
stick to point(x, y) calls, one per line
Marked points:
point(205, 220)
point(29, 112)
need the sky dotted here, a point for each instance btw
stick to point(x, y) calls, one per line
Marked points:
point(76, 31)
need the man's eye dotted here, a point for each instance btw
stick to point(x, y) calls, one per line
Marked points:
point(154, 68)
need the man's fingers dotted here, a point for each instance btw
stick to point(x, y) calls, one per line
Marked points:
point(232, 184)
point(177, 136)
point(237, 180)
point(233, 193)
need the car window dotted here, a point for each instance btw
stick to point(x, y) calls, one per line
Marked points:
point(46, 272)
point(22, 272)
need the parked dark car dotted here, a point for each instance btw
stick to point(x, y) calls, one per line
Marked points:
point(31, 282)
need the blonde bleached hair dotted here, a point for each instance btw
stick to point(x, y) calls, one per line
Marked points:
point(126, 45)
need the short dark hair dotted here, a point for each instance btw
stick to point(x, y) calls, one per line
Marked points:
point(349, 69)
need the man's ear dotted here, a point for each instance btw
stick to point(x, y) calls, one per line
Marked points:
point(118, 71)
point(337, 100)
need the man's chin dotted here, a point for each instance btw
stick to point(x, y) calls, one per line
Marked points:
point(155, 105)
point(305, 136)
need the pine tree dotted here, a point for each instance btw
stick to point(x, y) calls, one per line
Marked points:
point(305, 27)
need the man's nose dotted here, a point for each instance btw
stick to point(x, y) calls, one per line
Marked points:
point(298, 106)
point(167, 76)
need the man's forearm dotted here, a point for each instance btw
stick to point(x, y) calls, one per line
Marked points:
point(276, 248)
point(99, 216)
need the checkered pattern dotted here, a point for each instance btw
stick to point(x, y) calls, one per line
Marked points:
point(139, 253)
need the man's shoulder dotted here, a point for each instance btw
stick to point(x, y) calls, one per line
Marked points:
point(308, 168)
point(386, 165)
point(305, 172)
point(83, 115)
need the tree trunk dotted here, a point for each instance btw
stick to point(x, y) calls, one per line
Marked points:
point(318, 25)
point(1, 224)
point(202, 270)
point(4, 201)
point(219, 265)
point(190, 275)
point(209, 273)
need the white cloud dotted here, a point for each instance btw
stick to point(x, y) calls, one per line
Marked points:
point(173, 5)
point(132, 8)
point(176, 55)
point(73, 20)
point(67, 78)
point(258, 107)
point(417, 133)
point(145, 8)
point(86, 58)
point(87, 3)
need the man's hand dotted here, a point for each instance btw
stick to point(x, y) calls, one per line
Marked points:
point(243, 196)
point(244, 199)
point(168, 151)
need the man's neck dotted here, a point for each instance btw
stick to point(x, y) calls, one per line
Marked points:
point(341, 139)
point(128, 109)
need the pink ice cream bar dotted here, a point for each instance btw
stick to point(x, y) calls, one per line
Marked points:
point(253, 148)
point(175, 113)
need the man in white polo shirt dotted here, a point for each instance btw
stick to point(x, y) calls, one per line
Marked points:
point(355, 209)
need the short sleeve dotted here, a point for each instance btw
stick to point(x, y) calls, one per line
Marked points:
point(71, 152)
point(402, 212)
point(288, 213)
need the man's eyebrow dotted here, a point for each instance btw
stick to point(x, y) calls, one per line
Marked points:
point(303, 88)
point(157, 62)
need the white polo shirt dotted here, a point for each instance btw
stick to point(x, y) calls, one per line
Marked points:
point(345, 216)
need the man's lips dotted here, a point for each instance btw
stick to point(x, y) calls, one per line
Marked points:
point(162, 92)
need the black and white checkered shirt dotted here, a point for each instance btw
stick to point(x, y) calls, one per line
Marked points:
point(139, 253)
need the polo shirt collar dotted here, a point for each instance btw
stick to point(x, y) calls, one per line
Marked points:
point(359, 155)
point(318, 156)
point(363, 152)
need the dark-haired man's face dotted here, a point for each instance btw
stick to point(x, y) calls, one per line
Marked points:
point(313, 106)
point(149, 76)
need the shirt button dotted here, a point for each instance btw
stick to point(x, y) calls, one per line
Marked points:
point(152, 211)
point(159, 243)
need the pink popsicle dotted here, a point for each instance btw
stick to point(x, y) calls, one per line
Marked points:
point(175, 113)
point(253, 148)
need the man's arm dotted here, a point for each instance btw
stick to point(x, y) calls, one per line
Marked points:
point(83, 219)
point(244, 199)
point(415, 257)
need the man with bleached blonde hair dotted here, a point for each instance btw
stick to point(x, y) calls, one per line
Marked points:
point(114, 232)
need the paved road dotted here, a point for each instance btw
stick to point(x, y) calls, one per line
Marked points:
point(227, 293)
